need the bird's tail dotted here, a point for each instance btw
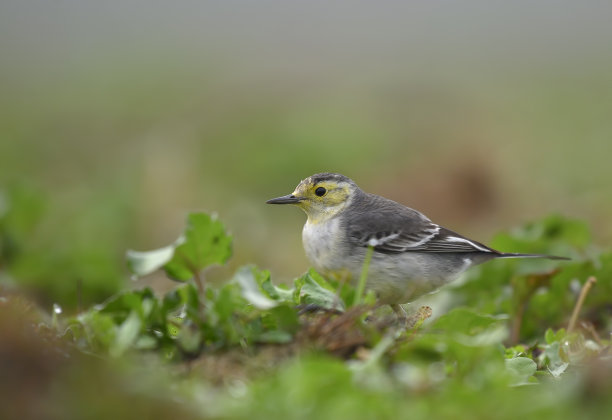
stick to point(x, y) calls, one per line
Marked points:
point(518, 255)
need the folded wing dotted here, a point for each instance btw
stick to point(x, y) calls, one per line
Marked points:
point(392, 228)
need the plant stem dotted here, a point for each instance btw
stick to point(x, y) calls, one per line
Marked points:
point(363, 277)
point(583, 292)
point(198, 282)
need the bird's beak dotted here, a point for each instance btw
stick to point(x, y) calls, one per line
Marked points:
point(285, 199)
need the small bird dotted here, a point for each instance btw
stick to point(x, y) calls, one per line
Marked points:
point(411, 255)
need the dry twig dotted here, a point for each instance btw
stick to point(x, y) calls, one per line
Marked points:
point(583, 292)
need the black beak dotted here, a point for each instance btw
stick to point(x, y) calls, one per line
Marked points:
point(285, 199)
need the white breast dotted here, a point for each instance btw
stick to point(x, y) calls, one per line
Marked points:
point(321, 243)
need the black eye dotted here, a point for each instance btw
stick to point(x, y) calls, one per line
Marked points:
point(320, 191)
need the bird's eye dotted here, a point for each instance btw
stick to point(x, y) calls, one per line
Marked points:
point(320, 191)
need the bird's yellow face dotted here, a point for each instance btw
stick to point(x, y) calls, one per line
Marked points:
point(320, 200)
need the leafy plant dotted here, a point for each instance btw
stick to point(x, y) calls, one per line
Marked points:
point(508, 331)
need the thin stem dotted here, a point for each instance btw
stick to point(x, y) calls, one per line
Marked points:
point(583, 292)
point(198, 282)
point(515, 331)
point(363, 277)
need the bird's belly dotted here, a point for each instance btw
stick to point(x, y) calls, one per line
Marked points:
point(405, 277)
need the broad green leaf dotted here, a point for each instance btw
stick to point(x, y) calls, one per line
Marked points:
point(558, 370)
point(554, 358)
point(250, 289)
point(551, 336)
point(282, 294)
point(143, 263)
point(190, 298)
point(278, 293)
point(472, 329)
point(313, 293)
point(521, 368)
point(320, 280)
point(466, 321)
point(206, 243)
point(227, 301)
point(516, 351)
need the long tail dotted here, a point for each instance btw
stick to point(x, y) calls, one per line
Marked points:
point(518, 255)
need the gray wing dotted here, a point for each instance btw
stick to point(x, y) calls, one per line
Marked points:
point(392, 228)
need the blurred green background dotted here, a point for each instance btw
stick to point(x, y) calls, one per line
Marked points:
point(116, 119)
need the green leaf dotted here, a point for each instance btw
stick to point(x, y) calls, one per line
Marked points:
point(278, 293)
point(286, 318)
point(227, 301)
point(100, 328)
point(466, 321)
point(521, 368)
point(127, 334)
point(190, 298)
point(555, 359)
point(205, 243)
point(143, 263)
point(551, 336)
point(313, 292)
point(172, 300)
point(250, 289)
point(320, 280)
point(122, 304)
point(558, 370)
point(471, 328)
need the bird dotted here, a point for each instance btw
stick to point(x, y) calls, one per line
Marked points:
point(412, 255)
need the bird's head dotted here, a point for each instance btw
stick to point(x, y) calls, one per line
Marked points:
point(321, 196)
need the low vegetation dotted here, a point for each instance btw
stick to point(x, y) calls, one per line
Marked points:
point(514, 338)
